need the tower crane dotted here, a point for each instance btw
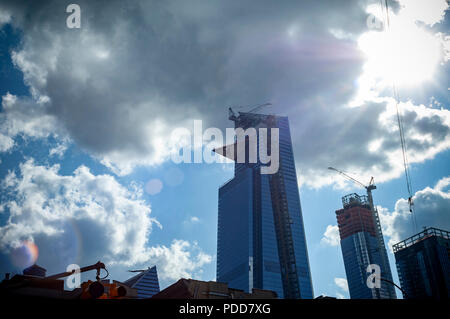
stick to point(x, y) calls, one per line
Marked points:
point(368, 188)
point(232, 115)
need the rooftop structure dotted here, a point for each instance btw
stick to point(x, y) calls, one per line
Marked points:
point(426, 233)
point(146, 282)
point(195, 289)
point(423, 264)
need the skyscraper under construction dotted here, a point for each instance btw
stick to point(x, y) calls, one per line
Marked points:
point(362, 245)
point(261, 238)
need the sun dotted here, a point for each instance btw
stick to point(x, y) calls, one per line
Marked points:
point(404, 54)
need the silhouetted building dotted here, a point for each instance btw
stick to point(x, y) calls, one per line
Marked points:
point(261, 238)
point(325, 297)
point(362, 244)
point(36, 286)
point(423, 264)
point(35, 270)
point(146, 283)
point(195, 289)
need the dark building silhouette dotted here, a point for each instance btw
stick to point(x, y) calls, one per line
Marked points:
point(30, 285)
point(195, 289)
point(362, 244)
point(35, 270)
point(423, 264)
point(325, 297)
point(34, 284)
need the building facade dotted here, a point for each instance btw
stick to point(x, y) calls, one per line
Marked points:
point(423, 264)
point(146, 283)
point(196, 289)
point(362, 246)
point(261, 239)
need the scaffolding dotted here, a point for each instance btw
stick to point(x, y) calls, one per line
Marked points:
point(353, 200)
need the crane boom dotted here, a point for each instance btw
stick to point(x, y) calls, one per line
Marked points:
point(232, 115)
point(349, 177)
point(98, 266)
point(257, 107)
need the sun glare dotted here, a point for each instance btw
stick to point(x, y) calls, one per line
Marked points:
point(405, 54)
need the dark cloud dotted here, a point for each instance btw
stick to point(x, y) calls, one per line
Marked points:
point(136, 70)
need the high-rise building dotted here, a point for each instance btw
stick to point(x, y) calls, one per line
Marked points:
point(261, 238)
point(423, 264)
point(146, 283)
point(362, 245)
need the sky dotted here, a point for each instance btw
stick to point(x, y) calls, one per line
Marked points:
point(87, 116)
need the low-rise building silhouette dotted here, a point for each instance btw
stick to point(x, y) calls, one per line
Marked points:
point(196, 289)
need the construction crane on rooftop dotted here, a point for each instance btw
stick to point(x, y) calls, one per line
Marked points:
point(232, 115)
point(368, 188)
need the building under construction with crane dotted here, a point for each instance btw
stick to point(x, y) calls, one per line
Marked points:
point(261, 238)
point(362, 244)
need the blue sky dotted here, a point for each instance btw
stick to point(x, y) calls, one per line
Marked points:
point(81, 98)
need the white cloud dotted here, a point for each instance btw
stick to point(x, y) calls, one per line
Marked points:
point(26, 117)
point(442, 184)
point(111, 222)
point(331, 236)
point(431, 209)
point(181, 260)
point(429, 12)
point(194, 219)
point(58, 150)
point(191, 220)
point(341, 283)
point(6, 143)
point(83, 218)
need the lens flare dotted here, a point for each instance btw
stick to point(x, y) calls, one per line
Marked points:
point(25, 255)
point(153, 186)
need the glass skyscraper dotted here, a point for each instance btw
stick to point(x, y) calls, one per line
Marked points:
point(261, 237)
point(423, 264)
point(146, 283)
point(362, 246)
